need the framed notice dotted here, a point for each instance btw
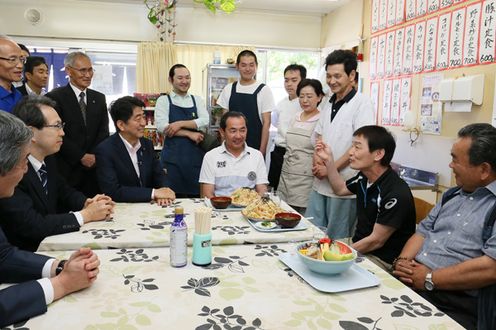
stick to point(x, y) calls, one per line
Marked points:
point(432, 5)
point(421, 7)
point(487, 31)
point(391, 13)
point(389, 54)
point(418, 47)
point(374, 95)
point(395, 102)
point(430, 44)
point(443, 30)
point(410, 9)
point(456, 38)
point(471, 37)
point(398, 51)
point(400, 11)
point(386, 103)
point(406, 89)
point(375, 16)
point(373, 57)
point(382, 14)
point(408, 49)
point(381, 53)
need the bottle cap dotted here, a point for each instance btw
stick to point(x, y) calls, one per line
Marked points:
point(179, 210)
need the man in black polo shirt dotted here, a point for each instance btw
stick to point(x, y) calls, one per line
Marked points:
point(385, 206)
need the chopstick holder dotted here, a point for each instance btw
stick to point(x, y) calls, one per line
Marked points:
point(202, 238)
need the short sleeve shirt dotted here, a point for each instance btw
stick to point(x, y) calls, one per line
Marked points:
point(228, 173)
point(389, 202)
point(8, 100)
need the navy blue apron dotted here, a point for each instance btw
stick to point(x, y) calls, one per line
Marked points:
point(247, 105)
point(180, 156)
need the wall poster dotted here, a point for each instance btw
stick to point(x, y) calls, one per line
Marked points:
point(430, 107)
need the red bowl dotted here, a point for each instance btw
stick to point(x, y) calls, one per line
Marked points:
point(287, 219)
point(220, 202)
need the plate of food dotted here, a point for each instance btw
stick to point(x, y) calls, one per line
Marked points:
point(242, 197)
point(265, 225)
point(263, 209)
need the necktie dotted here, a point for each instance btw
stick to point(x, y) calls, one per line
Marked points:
point(82, 106)
point(44, 178)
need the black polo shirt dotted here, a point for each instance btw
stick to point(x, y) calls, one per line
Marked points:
point(389, 202)
point(337, 105)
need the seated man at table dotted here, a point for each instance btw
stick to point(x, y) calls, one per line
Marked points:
point(127, 168)
point(233, 164)
point(42, 200)
point(452, 254)
point(385, 207)
point(56, 279)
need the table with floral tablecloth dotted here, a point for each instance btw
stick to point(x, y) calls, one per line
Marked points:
point(245, 287)
point(148, 225)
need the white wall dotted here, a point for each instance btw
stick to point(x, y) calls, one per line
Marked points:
point(128, 22)
point(342, 27)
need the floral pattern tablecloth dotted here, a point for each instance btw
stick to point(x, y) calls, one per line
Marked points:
point(148, 225)
point(245, 287)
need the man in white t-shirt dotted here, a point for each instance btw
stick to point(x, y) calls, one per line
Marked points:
point(233, 164)
point(253, 99)
point(345, 112)
point(285, 110)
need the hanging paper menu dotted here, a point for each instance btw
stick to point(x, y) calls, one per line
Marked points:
point(373, 57)
point(421, 7)
point(410, 9)
point(375, 16)
point(381, 53)
point(382, 14)
point(398, 51)
point(432, 6)
point(408, 49)
point(391, 14)
point(405, 98)
point(389, 53)
point(430, 44)
point(374, 95)
point(488, 25)
point(447, 3)
point(395, 102)
point(443, 41)
point(400, 11)
point(418, 48)
point(386, 102)
point(472, 24)
point(456, 38)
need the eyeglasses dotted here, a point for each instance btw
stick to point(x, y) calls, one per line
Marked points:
point(57, 125)
point(84, 71)
point(13, 60)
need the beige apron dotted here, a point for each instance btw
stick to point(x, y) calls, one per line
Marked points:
point(296, 174)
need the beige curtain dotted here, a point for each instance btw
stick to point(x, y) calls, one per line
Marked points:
point(152, 66)
point(196, 57)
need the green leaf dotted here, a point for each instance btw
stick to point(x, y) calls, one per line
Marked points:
point(143, 320)
point(109, 314)
point(154, 308)
point(324, 323)
point(140, 304)
point(293, 323)
point(228, 7)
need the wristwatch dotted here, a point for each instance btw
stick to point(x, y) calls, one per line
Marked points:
point(60, 267)
point(428, 284)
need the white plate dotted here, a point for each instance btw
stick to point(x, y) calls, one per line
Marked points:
point(230, 208)
point(268, 225)
point(277, 228)
point(354, 278)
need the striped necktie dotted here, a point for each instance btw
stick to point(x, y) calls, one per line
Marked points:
point(44, 178)
point(82, 106)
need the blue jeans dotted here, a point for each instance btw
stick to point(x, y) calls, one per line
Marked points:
point(338, 215)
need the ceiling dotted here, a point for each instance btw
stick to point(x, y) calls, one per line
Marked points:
point(305, 7)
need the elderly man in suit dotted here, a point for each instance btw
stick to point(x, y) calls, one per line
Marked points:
point(42, 199)
point(41, 279)
point(84, 112)
point(127, 167)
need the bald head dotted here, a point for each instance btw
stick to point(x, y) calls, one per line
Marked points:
point(11, 62)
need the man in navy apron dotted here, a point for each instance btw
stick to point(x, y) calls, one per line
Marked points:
point(180, 116)
point(253, 99)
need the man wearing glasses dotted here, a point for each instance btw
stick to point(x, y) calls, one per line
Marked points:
point(11, 64)
point(42, 199)
point(84, 112)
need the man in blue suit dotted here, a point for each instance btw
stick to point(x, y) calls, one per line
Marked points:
point(41, 279)
point(126, 165)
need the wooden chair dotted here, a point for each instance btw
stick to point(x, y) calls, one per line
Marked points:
point(422, 208)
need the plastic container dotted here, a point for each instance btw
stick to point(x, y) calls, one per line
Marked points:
point(179, 240)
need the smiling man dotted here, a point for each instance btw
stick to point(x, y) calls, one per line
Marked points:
point(181, 116)
point(11, 64)
point(233, 164)
point(84, 112)
point(127, 168)
point(35, 76)
point(385, 207)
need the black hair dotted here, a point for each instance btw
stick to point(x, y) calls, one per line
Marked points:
point(345, 57)
point(314, 83)
point(297, 67)
point(32, 62)
point(122, 109)
point(28, 109)
point(246, 52)
point(378, 138)
point(24, 48)
point(231, 114)
point(482, 149)
point(172, 70)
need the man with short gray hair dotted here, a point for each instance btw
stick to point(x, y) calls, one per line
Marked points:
point(41, 279)
point(84, 112)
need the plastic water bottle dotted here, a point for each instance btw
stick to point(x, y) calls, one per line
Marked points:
point(179, 240)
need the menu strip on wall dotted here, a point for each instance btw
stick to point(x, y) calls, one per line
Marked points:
point(421, 7)
point(375, 16)
point(374, 95)
point(410, 9)
point(443, 41)
point(389, 53)
point(406, 84)
point(408, 49)
point(456, 38)
point(471, 37)
point(488, 26)
point(430, 44)
point(373, 57)
point(382, 14)
point(400, 11)
point(381, 53)
point(386, 103)
point(395, 102)
point(391, 13)
point(398, 51)
point(418, 48)
point(432, 6)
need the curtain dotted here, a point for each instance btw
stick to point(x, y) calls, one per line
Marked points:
point(152, 66)
point(196, 57)
point(55, 63)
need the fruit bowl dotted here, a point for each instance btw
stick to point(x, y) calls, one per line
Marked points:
point(327, 267)
point(220, 202)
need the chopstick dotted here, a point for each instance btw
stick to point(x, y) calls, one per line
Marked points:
point(203, 219)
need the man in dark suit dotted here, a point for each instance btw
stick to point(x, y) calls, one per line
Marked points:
point(42, 279)
point(35, 76)
point(36, 210)
point(84, 112)
point(127, 167)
